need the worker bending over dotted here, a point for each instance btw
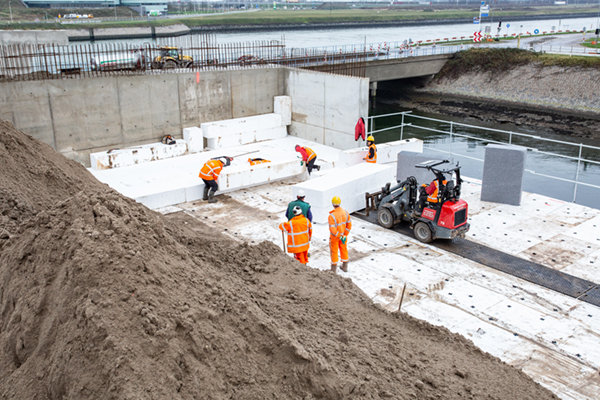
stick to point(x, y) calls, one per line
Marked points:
point(308, 156)
point(372, 156)
point(339, 228)
point(299, 233)
point(299, 202)
point(210, 174)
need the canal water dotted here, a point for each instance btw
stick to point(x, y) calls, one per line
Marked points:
point(545, 174)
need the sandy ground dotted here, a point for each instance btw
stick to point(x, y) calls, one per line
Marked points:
point(102, 298)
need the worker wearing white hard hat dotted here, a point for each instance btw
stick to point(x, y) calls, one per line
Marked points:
point(304, 206)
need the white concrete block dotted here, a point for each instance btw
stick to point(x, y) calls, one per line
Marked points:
point(283, 106)
point(239, 131)
point(350, 184)
point(137, 155)
point(386, 152)
point(194, 139)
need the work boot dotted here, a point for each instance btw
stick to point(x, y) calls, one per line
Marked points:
point(205, 195)
point(318, 167)
point(344, 266)
point(333, 268)
point(211, 197)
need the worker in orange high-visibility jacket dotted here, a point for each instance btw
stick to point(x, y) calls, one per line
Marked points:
point(339, 228)
point(372, 155)
point(210, 174)
point(309, 157)
point(299, 233)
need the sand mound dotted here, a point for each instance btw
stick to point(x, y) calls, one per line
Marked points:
point(101, 298)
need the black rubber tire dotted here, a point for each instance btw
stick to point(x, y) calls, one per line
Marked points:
point(423, 233)
point(385, 217)
point(170, 65)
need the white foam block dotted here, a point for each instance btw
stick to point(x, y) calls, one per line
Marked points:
point(283, 106)
point(350, 184)
point(386, 152)
point(194, 139)
point(137, 155)
point(239, 131)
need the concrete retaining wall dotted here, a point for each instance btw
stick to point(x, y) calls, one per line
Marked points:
point(8, 37)
point(326, 107)
point(82, 116)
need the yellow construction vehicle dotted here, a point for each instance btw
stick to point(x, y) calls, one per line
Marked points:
point(170, 57)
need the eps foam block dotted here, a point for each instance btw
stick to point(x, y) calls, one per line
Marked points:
point(503, 171)
point(119, 158)
point(386, 152)
point(194, 139)
point(239, 131)
point(282, 105)
point(350, 184)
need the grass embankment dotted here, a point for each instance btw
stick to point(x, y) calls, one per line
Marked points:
point(506, 59)
point(323, 15)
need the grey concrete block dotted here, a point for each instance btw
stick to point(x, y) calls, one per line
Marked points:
point(503, 170)
point(406, 167)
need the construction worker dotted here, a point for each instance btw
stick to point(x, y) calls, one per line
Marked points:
point(299, 233)
point(372, 156)
point(339, 228)
point(309, 157)
point(429, 193)
point(210, 173)
point(299, 202)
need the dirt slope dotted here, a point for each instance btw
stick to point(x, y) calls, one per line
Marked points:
point(101, 298)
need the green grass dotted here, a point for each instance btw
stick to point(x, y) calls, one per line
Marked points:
point(591, 43)
point(505, 59)
point(270, 16)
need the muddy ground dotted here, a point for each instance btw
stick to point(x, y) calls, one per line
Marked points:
point(102, 298)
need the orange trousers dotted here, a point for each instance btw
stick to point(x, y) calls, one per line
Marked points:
point(335, 245)
point(302, 257)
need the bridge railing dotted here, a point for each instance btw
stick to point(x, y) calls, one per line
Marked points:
point(560, 161)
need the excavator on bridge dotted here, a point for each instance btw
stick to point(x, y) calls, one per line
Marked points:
point(444, 219)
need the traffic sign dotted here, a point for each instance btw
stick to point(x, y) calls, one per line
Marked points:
point(477, 36)
point(475, 20)
point(536, 31)
point(508, 25)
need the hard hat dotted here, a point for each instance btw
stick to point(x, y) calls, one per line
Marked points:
point(370, 138)
point(300, 193)
point(297, 210)
point(336, 201)
point(226, 161)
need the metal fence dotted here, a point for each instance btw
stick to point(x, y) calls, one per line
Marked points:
point(562, 149)
point(35, 62)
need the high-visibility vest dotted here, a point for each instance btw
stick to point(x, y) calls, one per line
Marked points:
point(310, 154)
point(211, 170)
point(339, 222)
point(374, 159)
point(299, 231)
point(433, 197)
point(254, 161)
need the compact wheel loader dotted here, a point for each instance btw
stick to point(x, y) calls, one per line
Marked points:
point(170, 57)
point(446, 219)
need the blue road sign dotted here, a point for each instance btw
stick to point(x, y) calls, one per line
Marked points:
point(508, 25)
point(536, 31)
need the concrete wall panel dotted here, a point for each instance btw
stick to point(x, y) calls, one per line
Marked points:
point(164, 106)
point(253, 90)
point(85, 113)
point(135, 98)
point(28, 108)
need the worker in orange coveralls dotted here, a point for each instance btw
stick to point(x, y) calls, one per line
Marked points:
point(339, 228)
point(309, 157)
point(299, 231)
point(210, 174)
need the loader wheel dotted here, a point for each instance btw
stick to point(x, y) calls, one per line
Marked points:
point(422, 232)
point(385, 217)
point(170, 65)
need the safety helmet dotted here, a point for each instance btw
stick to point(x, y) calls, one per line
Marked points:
point(336, 201)
point(297, 210)
point(370, 138)
point(226, 161)
point(301, 193)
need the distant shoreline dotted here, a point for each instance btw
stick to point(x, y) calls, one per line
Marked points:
point(137, 33)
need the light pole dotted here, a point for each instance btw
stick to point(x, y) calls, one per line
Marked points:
point(10, 9)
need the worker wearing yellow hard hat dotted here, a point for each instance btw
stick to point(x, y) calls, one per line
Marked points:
point(372, 156)
point(339, 228)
